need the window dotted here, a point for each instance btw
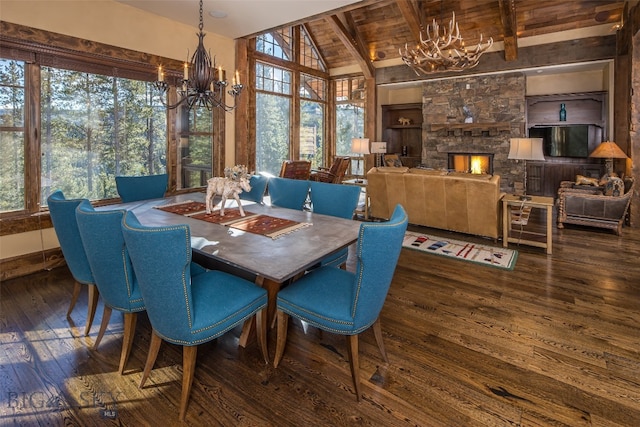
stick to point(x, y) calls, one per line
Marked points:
point(276, 43)
point(291, 100)
point(349, 113)
point(309, 56)
point(312, 90)
point(195, 148)
point(12, 112)
point(273, 108)
point(95, 127)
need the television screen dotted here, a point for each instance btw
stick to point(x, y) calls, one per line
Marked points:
point(568, 141)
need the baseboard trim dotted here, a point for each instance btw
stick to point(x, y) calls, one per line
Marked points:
point(30, 263)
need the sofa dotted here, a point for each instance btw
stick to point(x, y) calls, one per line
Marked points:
point(454, 201)
point(604, 207)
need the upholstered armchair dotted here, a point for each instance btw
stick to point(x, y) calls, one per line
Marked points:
point(335, 200)
point(295, 169)
point(186, 309)
point(590, 207)
point(101, 233)
point(63, 217)
point(343, 302)
point(133, 188)
point(288, 193)
point(334, 174)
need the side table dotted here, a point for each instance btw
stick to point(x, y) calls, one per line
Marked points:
point(510, 201)
point(362, 183)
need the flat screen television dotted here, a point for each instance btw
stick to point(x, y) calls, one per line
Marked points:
point(568, 141)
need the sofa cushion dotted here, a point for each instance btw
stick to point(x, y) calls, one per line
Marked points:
point(480, 176)
point(387, 169)
point(614, 187)
point(436, 172)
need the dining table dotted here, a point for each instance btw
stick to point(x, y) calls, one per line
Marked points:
point(270, 262)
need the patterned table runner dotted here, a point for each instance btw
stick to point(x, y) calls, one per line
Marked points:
point(269, 226)
point(187, 208)
point(253, 223)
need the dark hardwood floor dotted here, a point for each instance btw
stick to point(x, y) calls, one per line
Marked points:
point(555, 342)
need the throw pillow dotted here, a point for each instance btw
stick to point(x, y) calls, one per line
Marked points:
point(614, 187)
point(393, 163)
point(585, 180)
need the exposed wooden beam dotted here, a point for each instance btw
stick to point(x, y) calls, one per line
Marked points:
point(509, 28)
point(411, 16)
point(353, 41)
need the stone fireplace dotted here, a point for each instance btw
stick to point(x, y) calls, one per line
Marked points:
point(474, 116)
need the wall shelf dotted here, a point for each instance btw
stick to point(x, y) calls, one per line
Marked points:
point(493, 128)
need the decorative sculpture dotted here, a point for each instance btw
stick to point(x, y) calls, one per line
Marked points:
point(235, 181)
point(404, 121)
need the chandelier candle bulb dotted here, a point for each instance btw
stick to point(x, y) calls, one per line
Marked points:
point(186, 71)
point(160, 76)
point(237, 77)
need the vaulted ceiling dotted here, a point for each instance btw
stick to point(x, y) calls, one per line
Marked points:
point(367, 34)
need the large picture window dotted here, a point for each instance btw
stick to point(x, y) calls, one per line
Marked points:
point(95, 127)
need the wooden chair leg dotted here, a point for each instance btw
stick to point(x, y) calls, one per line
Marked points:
point(92, 304)
point(261, 331)
point(377, 332)
point(154, 346)
point(106, 316)
point(188, 367)
point(283, 321)
point(74, 297)
point(352, 347)
point(127, 340)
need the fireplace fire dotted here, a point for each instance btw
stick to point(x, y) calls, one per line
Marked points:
point(475, 163)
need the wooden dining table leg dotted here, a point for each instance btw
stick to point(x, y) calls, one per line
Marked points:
point(272, 288)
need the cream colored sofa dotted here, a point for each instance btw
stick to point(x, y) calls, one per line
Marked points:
point(459, 202)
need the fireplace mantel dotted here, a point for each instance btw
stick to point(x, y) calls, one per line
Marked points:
point(476, 129)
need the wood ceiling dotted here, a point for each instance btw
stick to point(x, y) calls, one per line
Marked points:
point(368, 34)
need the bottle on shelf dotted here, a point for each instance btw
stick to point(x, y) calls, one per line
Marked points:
point(563, 113)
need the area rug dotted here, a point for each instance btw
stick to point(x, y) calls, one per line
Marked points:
point(465, 251)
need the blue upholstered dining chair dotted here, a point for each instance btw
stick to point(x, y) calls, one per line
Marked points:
point(101, 233)
point(258, 187)
point(335, 200)
point(183, 309)
point(346, 303)
point(134, 188)
point(288, 193)
point(63, 217)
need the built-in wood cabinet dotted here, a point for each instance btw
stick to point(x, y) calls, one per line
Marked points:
point(543, 178)
point(402, 131)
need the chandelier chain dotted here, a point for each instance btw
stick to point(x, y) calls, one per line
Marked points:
point(203, 83)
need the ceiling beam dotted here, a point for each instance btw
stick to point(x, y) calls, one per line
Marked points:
point(509, 28)
point(353, 41)
point(411, 14)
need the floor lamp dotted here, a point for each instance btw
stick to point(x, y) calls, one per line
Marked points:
point(360, 146)
point(608, 150)
point(525, 149)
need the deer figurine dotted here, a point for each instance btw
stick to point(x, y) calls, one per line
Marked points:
point(235, 181)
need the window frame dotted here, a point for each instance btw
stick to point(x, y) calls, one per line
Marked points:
point(39, 48)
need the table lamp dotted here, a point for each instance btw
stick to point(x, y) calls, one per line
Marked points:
point(378, 148)
point(359, 146)
point(608, 150)
point(525, 149)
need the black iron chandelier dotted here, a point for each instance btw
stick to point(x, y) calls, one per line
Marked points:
point(203, 84)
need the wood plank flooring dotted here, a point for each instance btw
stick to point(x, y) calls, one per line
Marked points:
point(555, 342)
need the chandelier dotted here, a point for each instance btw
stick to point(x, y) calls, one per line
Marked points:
point(203, 83)
point(443, 50)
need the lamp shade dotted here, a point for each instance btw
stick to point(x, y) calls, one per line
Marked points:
point(525, 149)
point(608, 150)
point(360, 145)
point(378, 147)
